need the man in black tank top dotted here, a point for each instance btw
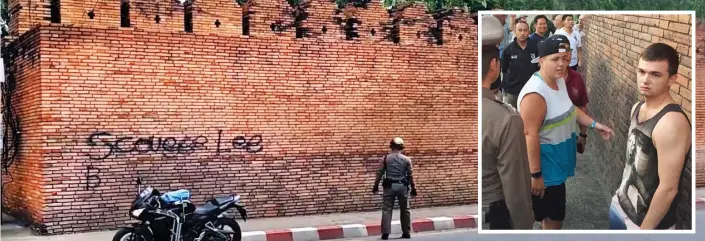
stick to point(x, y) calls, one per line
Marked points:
point(659, 141)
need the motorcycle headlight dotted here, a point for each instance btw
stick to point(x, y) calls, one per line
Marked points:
point(137, 212)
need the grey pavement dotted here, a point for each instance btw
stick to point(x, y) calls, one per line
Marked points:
point(467, 234)
point(14, 233)
point(587, 208)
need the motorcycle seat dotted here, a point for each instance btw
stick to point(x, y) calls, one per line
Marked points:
point(222, 200)
point(205, 210)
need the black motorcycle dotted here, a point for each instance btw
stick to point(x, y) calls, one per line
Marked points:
point(164, 219)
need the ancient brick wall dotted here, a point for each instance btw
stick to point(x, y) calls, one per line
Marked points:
point(296, 126)
point(611, 49)
point(22, 189)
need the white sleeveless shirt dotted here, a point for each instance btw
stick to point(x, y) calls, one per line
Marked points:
point(557, 134)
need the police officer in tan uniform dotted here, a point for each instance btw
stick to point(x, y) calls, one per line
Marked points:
point(506, 180)
point(397, 171)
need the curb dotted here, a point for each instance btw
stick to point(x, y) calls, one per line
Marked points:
point(360, 230)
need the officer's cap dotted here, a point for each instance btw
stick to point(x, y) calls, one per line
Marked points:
point(492, 31)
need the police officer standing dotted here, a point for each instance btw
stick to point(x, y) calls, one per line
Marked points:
point(397, 171)
point(506, 181)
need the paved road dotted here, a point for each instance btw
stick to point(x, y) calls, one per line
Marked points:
point(473, 235)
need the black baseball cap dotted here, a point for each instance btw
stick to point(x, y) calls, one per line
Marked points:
point(555, 44)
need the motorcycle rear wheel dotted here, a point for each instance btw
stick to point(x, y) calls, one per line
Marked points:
point(131, 234)
point(230, 223)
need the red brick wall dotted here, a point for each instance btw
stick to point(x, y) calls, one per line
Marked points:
point(325, 109)
point(611, 50)
point(24, 182)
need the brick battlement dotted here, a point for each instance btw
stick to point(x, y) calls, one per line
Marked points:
point(321, 13)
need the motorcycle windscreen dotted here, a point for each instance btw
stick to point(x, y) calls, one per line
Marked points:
point(140, 200)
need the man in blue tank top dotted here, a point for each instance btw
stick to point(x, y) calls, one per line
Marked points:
point(658, 143)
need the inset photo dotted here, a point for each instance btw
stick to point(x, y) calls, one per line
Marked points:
point(586, 121)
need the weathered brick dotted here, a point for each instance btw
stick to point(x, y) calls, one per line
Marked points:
point(635, 26)
point(685, 71)
point(685, 60)
point(669, 42)
point(654, 31)
point(684, 18)
point(686, 94)
point(682, 80)
point(645, 36)
point(679, 27)
point(663, 24)
point(684, 50)
point(679, 38)
point(652, 22)
point(670, 17)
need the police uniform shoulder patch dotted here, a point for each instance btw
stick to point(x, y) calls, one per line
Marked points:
point(508, 106)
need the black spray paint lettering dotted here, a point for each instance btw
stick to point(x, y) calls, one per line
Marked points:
point(92, 178)
point(253, 145)
point(169, 145)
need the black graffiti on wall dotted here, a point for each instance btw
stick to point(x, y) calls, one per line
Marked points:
point(113, 145)
point(240, 143)
point(92, 178)
point(169, 146)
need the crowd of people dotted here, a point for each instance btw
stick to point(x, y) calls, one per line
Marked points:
point(535, 121)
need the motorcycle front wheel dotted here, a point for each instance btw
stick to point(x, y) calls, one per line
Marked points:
point(233, 226)
point(131, 234)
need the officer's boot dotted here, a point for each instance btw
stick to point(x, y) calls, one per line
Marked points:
point(385, 236)
point(406, 235)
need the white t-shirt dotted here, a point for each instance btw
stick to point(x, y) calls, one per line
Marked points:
point(575, 43)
